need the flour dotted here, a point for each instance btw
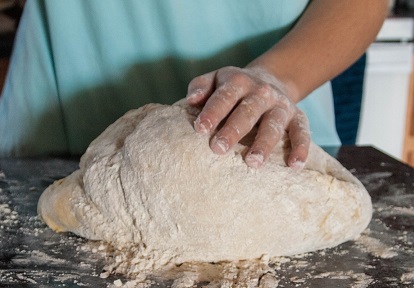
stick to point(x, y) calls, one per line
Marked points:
point(408, 277)
point(399, 210)
point(152, 187)
point(376, 247)
point(22, 277)
point(361, 280)
point(8, 217)
point(38, 258)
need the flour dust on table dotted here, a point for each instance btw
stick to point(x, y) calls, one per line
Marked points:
point(151, 185)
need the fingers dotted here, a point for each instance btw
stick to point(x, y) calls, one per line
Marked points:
point(240, 122)
point(200, 88)
point(244, 97)
point(299, 134)
point(271, 130)
point(230, 88)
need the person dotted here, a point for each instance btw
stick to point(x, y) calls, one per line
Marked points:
point(79, 65)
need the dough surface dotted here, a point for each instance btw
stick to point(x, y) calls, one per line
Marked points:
point(149, 180)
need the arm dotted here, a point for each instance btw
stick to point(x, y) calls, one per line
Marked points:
point(330, 36)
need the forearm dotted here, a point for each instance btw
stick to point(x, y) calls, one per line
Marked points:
point(329, 37)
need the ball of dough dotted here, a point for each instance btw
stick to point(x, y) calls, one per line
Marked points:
point(150, 180)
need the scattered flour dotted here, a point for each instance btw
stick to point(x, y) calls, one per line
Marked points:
point(38, 258)
point(408, 277)
point(402, 210)
point(376, 247)
point(21, 276)
point(8, 217)
point(361, 279)
point(248, 273)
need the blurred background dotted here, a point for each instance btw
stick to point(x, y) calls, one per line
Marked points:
point(10, 12)
point(388, 123)
point(382, 79)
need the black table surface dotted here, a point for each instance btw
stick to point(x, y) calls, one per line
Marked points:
point(31, 255)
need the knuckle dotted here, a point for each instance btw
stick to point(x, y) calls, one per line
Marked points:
point(197, 85)
point(286, 102)
point(276, 126)
point(282, 101)
point(239, 78)
point(255, 102)
point(278, 115)
point(248, 102)
point(301, 122)
point(194, 84)
point(202, 80)
point(300, 136)
point(199, 80)
point(301, 117)
point(227, 95)
point(265, 90)
point(233, 130)
point(249, 109)
point(260, 101)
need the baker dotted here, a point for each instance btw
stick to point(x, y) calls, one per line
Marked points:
point(79, 65)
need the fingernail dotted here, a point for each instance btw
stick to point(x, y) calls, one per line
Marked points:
point(254, 159)
point(219, 145)
point(298, 165)
point(202, 127)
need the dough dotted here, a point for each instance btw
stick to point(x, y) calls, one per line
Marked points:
point(150, 181)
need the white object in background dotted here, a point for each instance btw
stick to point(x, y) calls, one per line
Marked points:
point(396, 29)
point(386, 88)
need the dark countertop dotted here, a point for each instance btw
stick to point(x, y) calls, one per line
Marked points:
point(31, 255)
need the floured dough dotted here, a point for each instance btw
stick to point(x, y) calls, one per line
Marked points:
point(149, 180)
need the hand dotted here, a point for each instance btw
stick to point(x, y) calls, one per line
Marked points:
point(245, 97)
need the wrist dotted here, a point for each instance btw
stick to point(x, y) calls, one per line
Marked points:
point(289, 86)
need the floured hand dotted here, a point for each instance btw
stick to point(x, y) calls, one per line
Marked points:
point(242, 98)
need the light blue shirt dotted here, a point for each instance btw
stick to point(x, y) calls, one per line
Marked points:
point(79, 65)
